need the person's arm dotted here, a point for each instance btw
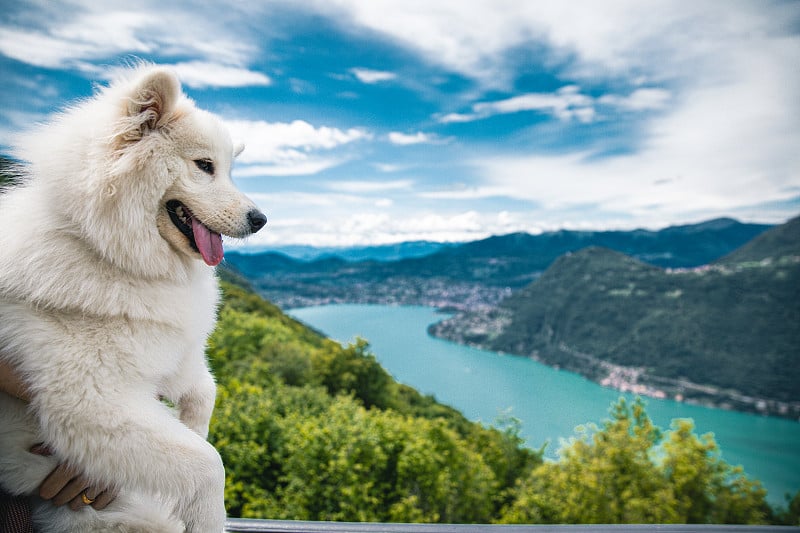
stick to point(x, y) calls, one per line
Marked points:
point(63, 484)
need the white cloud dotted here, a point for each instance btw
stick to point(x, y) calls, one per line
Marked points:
point(304, 203)
point(299, 165)
point(289, 148)
point(88, 36)
point(465, 193)
point(595, 39)
point(202, 74)
point(719, 151)
point(471, 38)
point(349, 216)
point(269, 137)
point(638, 100)
point(361, 187)
point(567, 103)
point(451, 118)
point(725, 144)
point(91, 32)
point(387, 167)
point(40, 50)
point(382, 226)
point(370, 76)
point(465, 36)
point(405, 139)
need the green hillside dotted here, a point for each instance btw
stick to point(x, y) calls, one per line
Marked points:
point(781, 242)
point(310, 430)
point(726, 334)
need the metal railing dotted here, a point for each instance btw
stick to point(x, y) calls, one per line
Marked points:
point(239, 525)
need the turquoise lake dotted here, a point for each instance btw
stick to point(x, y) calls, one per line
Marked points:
point(549, 403)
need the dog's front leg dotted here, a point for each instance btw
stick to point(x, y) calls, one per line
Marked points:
point(137, 443)
point(193, 390)
point(196, 404)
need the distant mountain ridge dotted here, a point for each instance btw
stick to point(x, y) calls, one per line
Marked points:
point(727, 333)
point(479, 272)
point(377, 252)
point(781, 242)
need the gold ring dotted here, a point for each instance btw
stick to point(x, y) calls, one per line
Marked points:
point(85, 499)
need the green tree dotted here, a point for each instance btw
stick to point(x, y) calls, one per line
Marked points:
point(620, 474)
point(243, 429)
point(604, 476)
point(353, 464)
point(354, 370)
point(706, 488)
point(791, 515)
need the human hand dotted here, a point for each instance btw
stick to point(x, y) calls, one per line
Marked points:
point(64, 485)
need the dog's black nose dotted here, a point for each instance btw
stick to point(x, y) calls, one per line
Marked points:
point(257, 220)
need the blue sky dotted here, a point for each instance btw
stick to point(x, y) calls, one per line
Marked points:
point(378, 121)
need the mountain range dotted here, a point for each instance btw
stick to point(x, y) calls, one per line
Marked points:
point(479, 273)
point(378, 252)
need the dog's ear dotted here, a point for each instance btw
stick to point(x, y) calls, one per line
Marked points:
point(152, 101)
point(238, 148)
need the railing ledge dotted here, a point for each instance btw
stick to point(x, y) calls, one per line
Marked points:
point(240, 525)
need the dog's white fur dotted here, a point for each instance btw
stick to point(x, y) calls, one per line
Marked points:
point(105, 306)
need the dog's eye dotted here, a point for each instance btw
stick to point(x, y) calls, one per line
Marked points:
point(206, 165)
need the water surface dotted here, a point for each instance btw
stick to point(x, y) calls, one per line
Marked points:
point(549, 403)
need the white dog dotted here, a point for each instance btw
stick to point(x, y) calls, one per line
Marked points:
point(106, 301)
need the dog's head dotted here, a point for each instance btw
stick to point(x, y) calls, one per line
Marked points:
point(180, 157)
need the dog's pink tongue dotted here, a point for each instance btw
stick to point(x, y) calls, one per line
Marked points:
point(209, 243)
